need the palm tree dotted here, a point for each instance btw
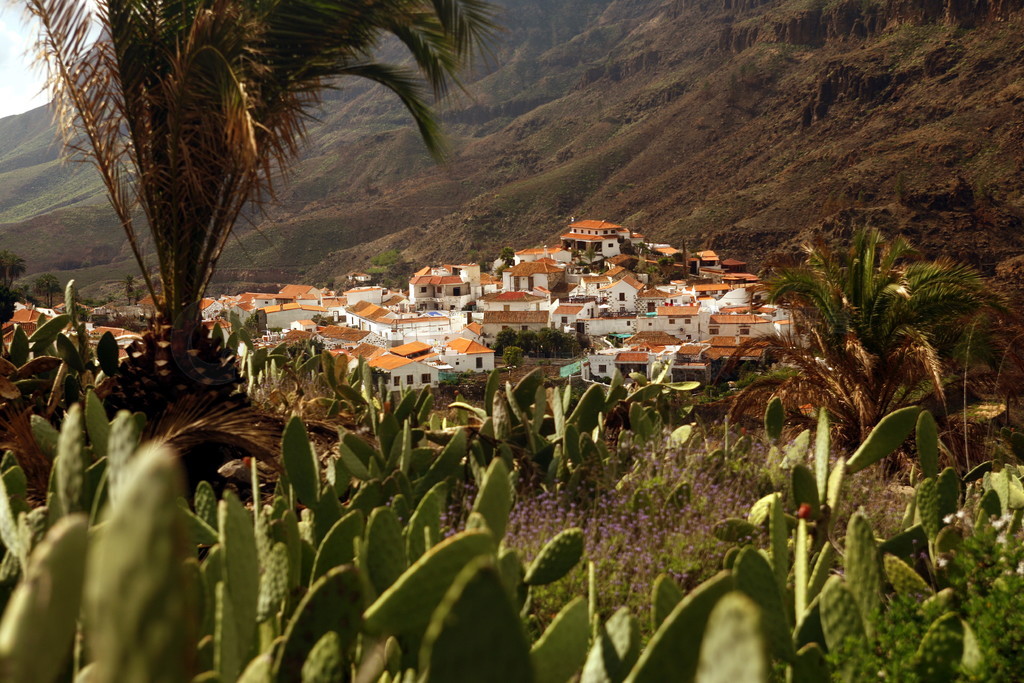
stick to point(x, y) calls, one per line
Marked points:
point(131, 291)
point(189, 108)
point(46, 286)
point(12, 267)
point(877, 328)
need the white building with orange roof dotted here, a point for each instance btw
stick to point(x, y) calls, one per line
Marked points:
point(556, 253)
point(300, 294)
point(604, 237)
point(530, 275)
point(375, 295)
point(467, 355)
point(450, 287)
point(281, 316)
point(404, 373)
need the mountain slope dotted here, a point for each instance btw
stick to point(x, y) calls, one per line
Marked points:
point(734, 124)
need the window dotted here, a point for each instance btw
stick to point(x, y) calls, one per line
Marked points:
point(408, 379)
point(524, 328)
point(397, 380)
point(457, 291)
point(686, 321)
point(423, 290)
point(671, 321)
point(506, 307)
point(479, 362)
point(565, 320)
point(744, 330)
point(712, 330)
point(504, 327)
point(602, 369)
point(622, 296)
point(425, 378)
point(611, 244)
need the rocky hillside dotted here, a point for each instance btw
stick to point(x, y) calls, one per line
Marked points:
point(735, 124)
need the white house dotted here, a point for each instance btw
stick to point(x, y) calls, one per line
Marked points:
point(512, 301)
point(530, 275)
point(556, 253)
point(404, 373)
point(449, 287)
point(605, 238)
point(301, 294)
point(303, 325)
point(621, 295)
point(742, 325)
point(466, 355)
point(281, 316)
point(496, 321)
point(566, 315)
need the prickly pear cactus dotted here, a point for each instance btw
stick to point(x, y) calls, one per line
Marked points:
point(556, 558)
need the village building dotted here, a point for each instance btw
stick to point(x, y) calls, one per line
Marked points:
point(604, 239)
point(466, 355)
point(401, 372)
point(281, 316)
point(496, 321)
point(445, 288)
point(556, 253)
point(530, 275)
point(512, 301)
point(621, 296)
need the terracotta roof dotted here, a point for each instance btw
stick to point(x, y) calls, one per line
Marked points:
point(583, 237)
point(367, 351)
point(667, 251)
point(340, 333)
point(517, 317)
point(654, 293)
point(410, 349)
point(298, 291)
point(652, 338)
point(488, 279)
point(358, 290)
point(677, 310)
point(718, 352)
point(707, 254)
point(435, 280)
point(591, 224)
point(733, 262)
point(370, 311)
point(568, 309)
point(690, 350)
point(297, 335)
point(533, 268)
point(629, 280)
point(475, 328)
point(540, 250)
point(711, 288)
point(25, 315)
point(462, 345)
point(334, 301)
point(615, 270)
point(206, 303)
point(293, 307)
point(389, 361)
point(631, 357)
point(619, 259)
point(737, 320)
point(594, 278)
point(305, 323)
point(512, 296)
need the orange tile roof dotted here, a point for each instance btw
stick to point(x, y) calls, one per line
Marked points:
point(568, 309)
point(410, 349)
point(711, 288)
point(631, 357)
point(583, 237)
point(475, 328)
point(652, 338)
point(298, 291)
point(340, 333)
point(677, 310)
point(707, 254)
point(25, 315)
point(737, 319)
point(293, 307)
point(462, 345)
point(591, 224)
point(435, 280)
point(367, 351)
point(512, 296)
point(654, 293)
point(389, 361)
point(534, 268)
point(667, 251)
point(540, 250)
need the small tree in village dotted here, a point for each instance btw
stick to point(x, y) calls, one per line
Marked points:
point(512, 356)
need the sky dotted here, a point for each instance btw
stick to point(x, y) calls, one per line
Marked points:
point(21, 81)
